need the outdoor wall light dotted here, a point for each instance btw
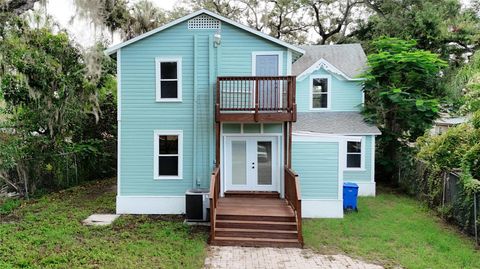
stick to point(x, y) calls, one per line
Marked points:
point(217, 39)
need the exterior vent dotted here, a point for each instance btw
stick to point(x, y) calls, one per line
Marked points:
point(204, 22)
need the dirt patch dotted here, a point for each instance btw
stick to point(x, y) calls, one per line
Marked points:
point(99, 188)
point(9, 219)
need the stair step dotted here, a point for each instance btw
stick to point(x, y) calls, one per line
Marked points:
point(256, 233)
point(251, 202)
point(255, 224)
point(255, 242)
point(256, 218)
point(252, 194)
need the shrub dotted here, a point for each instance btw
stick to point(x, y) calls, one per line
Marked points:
point(458, 149)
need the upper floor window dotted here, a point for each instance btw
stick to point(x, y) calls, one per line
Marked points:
point(169, 79)
point(354, 155)
point(320, 92)
point(168, 154)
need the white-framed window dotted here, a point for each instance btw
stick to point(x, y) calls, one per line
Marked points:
point(168, 154)
point(320, 92)
point(355, 155)
point(168, 79)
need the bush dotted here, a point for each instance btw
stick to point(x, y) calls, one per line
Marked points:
point(458, 149)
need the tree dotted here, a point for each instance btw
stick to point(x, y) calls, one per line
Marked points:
point(283, 19)
point(47, 97)
point(143, 17)
point(401, 95)
point(440, 26)
point(17, 6)
point(331, 19)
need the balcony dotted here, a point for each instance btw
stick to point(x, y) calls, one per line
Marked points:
point(256, 99)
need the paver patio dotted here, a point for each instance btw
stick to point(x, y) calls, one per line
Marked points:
point(259, 258)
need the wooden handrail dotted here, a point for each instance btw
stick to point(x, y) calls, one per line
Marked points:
point(256, 93)
point(214, 194)
point(293, 197)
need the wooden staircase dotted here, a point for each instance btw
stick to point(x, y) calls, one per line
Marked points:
point(253, 219)
point(256, 219)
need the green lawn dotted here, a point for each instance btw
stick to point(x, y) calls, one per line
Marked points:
point(47, 233)
point(393, 230)
point(390, 230)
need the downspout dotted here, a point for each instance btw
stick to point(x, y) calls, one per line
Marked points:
point(211, 103)
point(195, 180)
point(217, 73)
point(119, 121)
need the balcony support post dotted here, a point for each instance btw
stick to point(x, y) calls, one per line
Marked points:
point(256, 99)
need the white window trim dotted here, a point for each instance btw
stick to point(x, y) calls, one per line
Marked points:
point(362, 156)
point(280, 60)
point(329, 92)
point(178, 60)
point(156, 153)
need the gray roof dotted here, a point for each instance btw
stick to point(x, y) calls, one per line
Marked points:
point(348, 58)
point(346, 123)
point(451, 121)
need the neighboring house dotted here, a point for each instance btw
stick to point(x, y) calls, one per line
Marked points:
point(445, 122)
point(204, 93)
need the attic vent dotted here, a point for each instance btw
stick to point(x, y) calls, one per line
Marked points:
point(204, 22)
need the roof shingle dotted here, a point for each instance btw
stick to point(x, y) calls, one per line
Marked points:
point(348, 58)
point(345, 123)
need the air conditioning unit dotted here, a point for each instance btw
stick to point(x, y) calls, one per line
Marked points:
point(197, 205)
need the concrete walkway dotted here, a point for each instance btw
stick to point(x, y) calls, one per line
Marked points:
point(281, 258)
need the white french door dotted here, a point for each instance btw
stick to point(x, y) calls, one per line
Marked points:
point(251, 163)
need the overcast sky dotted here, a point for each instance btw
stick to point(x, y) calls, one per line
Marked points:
point(82, 31)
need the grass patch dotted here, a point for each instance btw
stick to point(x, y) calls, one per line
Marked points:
point(7, 205)
point(393, 230)
point(47, 233)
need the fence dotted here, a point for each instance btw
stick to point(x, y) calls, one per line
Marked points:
point(443, 191)
point(57, 171)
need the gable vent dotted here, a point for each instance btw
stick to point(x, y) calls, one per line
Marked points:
point(204, 22)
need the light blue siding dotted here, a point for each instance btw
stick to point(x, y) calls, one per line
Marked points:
point(345, 95)
point(317, 166)
point(141, 114)
point(366, 174)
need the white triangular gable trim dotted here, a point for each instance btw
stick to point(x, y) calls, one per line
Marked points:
point(324, 64)
point(113, 49)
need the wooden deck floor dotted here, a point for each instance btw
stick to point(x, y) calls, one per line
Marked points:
point(254, 207)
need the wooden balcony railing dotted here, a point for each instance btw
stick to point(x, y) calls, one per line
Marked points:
point(214, 194)
point(256, 99)
point(292, 195)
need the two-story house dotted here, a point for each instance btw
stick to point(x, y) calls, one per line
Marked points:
point(271, 128)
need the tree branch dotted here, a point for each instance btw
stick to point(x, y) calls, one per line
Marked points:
point(17, 6)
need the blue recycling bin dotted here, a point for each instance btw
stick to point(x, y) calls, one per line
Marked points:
point(350, 194)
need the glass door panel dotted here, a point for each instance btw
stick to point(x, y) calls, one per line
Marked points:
point(239, 162)
point(264, 162)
